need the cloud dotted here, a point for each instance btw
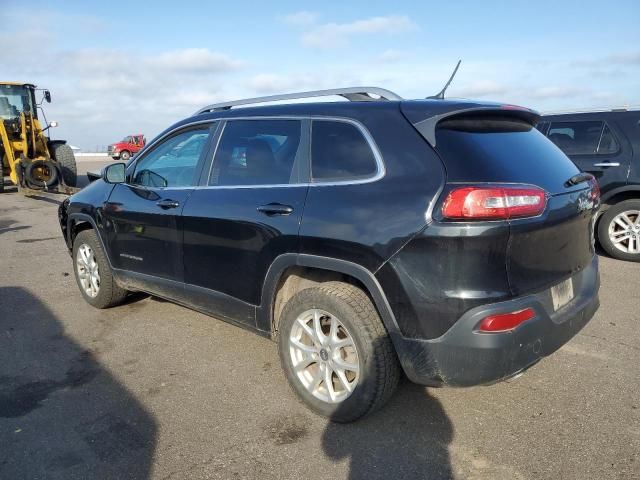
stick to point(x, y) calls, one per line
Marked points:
point(331, 35)
point(557, 92)
point(390, 56)
point(301, 19)
point(480, 89)
point(630, 59)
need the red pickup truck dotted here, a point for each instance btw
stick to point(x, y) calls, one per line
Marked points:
point(126, 147)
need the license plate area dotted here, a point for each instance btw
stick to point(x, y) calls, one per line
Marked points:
point(561, 294)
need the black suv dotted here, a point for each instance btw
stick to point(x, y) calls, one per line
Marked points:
point(607, 145)
point(447, 239)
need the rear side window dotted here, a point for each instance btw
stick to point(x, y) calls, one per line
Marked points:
point(257, 152)
point(340, 152)
point(582, 138)
point(500, 149)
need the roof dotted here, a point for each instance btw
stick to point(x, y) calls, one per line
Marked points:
point(20, 84)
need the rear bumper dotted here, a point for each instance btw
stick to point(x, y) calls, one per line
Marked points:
point(463, 357)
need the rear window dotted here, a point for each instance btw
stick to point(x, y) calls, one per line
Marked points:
point(340, 152)
point(501, 149)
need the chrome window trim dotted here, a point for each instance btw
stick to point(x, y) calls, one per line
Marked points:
point(380, 168)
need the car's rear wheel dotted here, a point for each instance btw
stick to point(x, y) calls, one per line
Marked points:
point(336, 353)
point(619, 230)
point(93, 272)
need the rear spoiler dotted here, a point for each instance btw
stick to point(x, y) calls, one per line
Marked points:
point(427, 126)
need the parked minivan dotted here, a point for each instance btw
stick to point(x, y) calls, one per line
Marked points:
point(607, 145)
point(448, 240)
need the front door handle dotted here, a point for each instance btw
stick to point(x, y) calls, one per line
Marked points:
point(168, 203)
point(272, 209)
point(606, 164)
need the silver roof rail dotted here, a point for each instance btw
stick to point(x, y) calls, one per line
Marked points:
point(353, 94)
point(623, 108)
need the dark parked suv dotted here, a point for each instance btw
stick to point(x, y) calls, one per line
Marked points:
point(607, 145)
point(447, 239)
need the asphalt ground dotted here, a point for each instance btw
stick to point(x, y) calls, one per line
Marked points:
point(154, 390)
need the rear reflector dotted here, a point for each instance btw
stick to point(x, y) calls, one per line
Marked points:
point(505, 321)
point(500, 203)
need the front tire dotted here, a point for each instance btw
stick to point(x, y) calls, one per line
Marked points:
point(336, 353)
point(63, 154)
point(619, 230)
point(93, 272)
point(125, 155)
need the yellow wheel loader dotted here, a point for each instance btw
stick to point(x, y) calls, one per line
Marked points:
point(28, 156)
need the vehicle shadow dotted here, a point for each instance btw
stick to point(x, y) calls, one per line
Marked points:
point(8, 225)
point(407, 438)
point(62, 414)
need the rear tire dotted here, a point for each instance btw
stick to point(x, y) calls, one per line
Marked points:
point(33, 177)
point(90, 259)
point(376, 370)
point(63, 154)
point(619, 230)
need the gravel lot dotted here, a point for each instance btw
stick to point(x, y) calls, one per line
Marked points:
point(154, 390)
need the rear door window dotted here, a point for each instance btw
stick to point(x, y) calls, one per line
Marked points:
point(583, 137)
point(258, 152)
point(340, 152)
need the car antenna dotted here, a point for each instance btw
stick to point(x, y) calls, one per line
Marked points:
point(440, 95)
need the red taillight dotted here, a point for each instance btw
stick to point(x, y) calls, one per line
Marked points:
point(504, 322)
point(494, 203)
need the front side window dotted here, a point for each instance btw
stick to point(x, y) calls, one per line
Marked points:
point(173, 162)
point(258, 152)
point(339, 152)
point(581, 138)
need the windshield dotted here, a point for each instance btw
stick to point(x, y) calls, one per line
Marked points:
point(15, 99)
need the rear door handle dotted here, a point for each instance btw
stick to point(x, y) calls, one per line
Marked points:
point(272, 209)
point(606, 164)
point(168, 203)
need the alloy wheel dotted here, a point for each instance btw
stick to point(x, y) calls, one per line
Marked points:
point(87, 268)
point(324, 356)
point(624, 231)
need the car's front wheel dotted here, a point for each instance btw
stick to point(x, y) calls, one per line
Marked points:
point(93, 272)
point(619, 230)
point(336, 353)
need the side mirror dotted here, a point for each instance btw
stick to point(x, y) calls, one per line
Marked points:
point(47, 96)
point(115, 173)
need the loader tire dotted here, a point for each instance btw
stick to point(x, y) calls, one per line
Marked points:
point(33, 175)
point(63, 154)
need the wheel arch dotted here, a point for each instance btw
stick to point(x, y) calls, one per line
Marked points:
point(76, 223)
point(621, 194)
point(323, 269)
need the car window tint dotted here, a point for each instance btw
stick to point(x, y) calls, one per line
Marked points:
point(608, 143)
point(172, 163)
point(576, 138)
point(257, 152)
point(339, 151)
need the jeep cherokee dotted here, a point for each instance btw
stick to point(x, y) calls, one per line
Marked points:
point(449, 240)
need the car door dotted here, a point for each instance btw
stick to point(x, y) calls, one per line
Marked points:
point(595, 147)
point(246, 213)
point(145, 234)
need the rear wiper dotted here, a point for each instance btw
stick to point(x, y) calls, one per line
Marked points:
point(578, 178)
